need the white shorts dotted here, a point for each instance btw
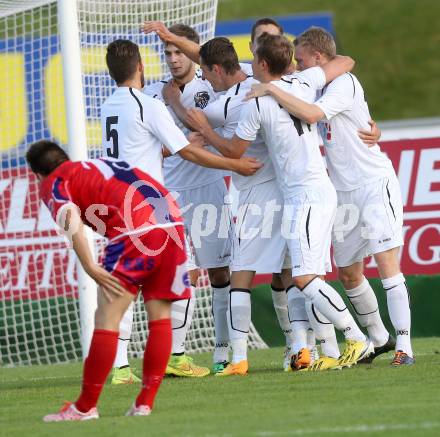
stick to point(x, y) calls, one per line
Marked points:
point(209, 227)
point(369, 221)
point(307, 226)
point(258, 243)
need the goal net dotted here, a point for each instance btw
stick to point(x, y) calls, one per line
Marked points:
point(39, 308)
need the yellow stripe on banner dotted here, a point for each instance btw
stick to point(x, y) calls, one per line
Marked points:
point(241, 45)
point(93, 60)
point(13, 111)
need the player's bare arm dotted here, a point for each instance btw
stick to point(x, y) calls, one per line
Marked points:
point(74, 227)
point(305, 111)
point(189, 48)
point(245, 166)
point(234, 148)
point(372, 136)
point(310, 113)
point(337, 66)
point(196, 139)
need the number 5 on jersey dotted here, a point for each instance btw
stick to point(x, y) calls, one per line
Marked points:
point(112, 134)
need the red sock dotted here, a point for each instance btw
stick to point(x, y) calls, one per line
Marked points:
point(156, 356)
point(97, 366)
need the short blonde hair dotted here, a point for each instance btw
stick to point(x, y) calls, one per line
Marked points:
point(317, 39)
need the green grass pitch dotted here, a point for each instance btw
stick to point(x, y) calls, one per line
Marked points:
point(365, 400)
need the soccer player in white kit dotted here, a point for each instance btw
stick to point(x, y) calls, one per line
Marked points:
point(220, 66)
point(260, 199)
point(309, 197)
point(368, 191)
point(198, 187)
point(191, 48)
point(135, 126)
point(262, 188)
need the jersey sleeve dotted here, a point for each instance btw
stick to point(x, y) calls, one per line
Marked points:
point(154, 90)
point(338, 97)
point(314, 77)
point(56, 196)
point(162, 125)
point(250, 121)
point(216, 112)
point(246, 68)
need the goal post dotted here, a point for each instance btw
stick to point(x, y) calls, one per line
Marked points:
point(53, 82)
point(77, 147)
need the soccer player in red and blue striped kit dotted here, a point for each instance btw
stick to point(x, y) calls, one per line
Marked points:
point(145, 253)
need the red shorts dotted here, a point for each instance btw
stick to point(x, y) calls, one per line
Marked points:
point(153, 263)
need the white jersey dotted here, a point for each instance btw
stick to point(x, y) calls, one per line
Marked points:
point(179, 173)
point(293, 145)
point(223, 115)
point(312, 80)
point(134, 128)
point(246, 67)
point(351, 163)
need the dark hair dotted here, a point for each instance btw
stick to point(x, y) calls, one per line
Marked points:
point(185, 31)
point(276, 50)
point(122, 59)
point(220, 51)
point(318, 39)
point(45, 156)
point(264, 22)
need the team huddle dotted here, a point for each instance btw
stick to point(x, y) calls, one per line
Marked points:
point(159, 195)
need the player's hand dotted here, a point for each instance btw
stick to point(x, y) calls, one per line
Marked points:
point(161, 30)
point(111, 287)
point(196, 139)
point(197, 119)
point(258, 90)
point(247, 166)
point(171, 92)
point(370, 137)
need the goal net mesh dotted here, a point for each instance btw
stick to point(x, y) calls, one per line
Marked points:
point(39, 311)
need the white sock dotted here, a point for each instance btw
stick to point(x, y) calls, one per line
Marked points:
point(328, 302)
point(364, 302)
point(299, 320)
point(311, 338)
point(279, 299)
point(181, 318)
point(125, 327)
point(220, 299)
point(399, 311)
point(239, 320)
point(324, 331)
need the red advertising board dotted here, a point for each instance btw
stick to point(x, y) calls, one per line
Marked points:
point(35, 261)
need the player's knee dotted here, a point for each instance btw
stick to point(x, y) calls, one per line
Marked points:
point(302, 281)
point(277, 281)
point(350, 279)
point(219, 275)
point(388, 263)
point(106, 318)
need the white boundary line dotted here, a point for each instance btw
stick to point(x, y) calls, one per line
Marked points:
point(354, 429)
point(363, 428)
